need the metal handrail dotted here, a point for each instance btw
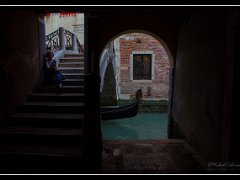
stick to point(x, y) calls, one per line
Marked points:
point(52, 41)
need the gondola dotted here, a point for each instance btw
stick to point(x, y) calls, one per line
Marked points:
point(120, 112)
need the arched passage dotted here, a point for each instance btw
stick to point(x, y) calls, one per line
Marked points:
point(120, 53)
point(162, 42)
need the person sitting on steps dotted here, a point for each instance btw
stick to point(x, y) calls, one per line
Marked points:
point(53, 75)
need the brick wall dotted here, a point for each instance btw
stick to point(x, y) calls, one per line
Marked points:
point(142, 42)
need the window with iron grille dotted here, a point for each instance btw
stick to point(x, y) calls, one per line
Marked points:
point(142, 66)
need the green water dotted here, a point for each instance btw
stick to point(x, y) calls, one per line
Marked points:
point(144, 126)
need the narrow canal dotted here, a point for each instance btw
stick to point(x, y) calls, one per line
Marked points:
point(144, 126)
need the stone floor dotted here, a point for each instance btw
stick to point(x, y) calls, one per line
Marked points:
point(151, 157)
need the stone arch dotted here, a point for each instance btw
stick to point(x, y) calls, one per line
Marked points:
point(162, 42)
point(170, 58)
point(105, 60)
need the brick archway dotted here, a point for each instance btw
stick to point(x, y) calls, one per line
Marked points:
point(170, 59)
point(162, 42)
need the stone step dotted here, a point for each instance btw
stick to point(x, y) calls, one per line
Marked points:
point(71, 59)
point(73, 82)
point(31, 136)
point(73, 75)
point(39, 159)
point(65, 89)
point(47, 120)
point(71, 64)
point(53, 97)
point(71, 70)
point(74, 55)
point(41, 150)
point(52, 107)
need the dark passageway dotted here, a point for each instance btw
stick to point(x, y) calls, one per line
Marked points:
point(203, 42)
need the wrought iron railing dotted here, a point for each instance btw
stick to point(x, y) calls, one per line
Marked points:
point(69, 39)
point(53, 41)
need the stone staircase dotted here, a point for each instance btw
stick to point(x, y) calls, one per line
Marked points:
point(45, 134)
point(72, 67)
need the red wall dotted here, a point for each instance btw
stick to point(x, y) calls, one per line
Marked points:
point(160, 84)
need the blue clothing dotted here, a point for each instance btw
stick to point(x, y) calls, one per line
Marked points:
point(53, 76)
point(52, 63)
point(58, 76)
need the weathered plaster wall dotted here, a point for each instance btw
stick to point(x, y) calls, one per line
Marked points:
point(19, 58)
point(54, 21)
point(201, 82)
